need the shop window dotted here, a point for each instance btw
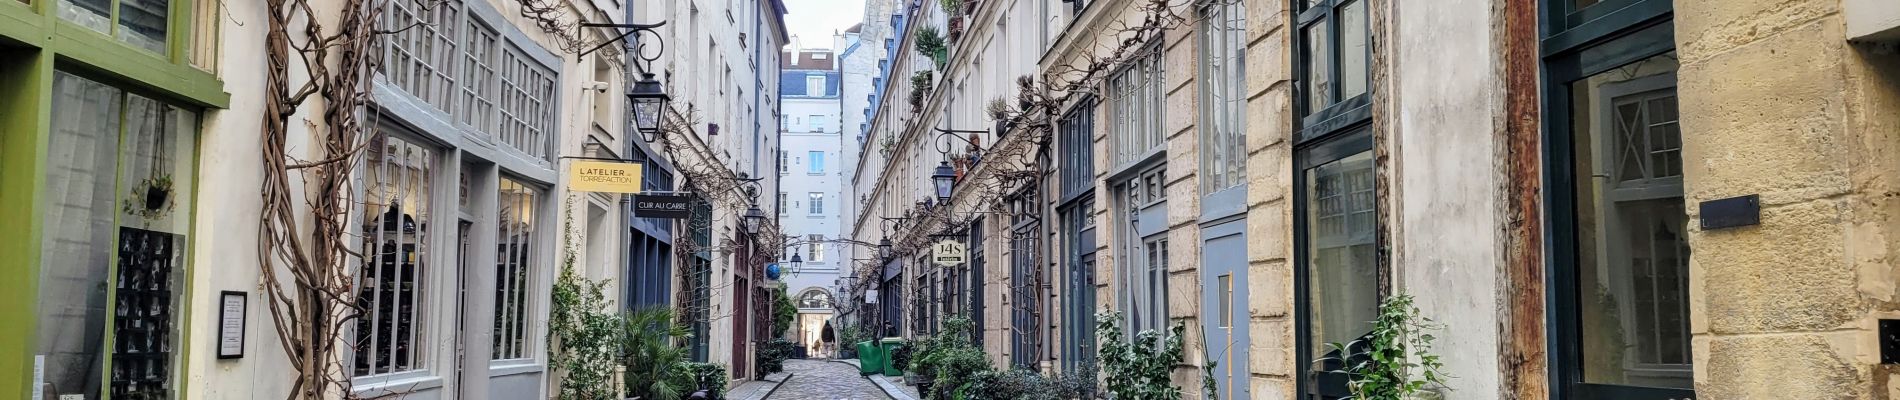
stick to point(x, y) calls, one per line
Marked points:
point(113, 258)
point(396, 193)
point(1222, 81)
point(515, 269)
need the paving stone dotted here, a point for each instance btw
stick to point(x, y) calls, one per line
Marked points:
point(820, 379)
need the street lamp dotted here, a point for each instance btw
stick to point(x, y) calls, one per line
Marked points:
point(753, 217)
point(944, 178)
point(884, 248)
point(798, 263)
point(649, 100)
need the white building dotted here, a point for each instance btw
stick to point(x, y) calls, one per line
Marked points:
point(812, 174)
point(720, 65)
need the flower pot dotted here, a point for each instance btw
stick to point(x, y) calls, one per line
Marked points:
point(155, 197)
point(923, 383)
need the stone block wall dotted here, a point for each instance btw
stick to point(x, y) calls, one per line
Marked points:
point(1776, 102)
point(1270, 201)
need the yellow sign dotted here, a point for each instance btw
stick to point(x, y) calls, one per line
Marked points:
point(605, 177)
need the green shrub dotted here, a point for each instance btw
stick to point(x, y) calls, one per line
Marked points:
point(654, 364)
point(1140, 370)
point(772, 355)
point(689, 376)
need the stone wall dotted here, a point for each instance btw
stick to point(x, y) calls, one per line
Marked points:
point(1776, 102)
point(1270, 201)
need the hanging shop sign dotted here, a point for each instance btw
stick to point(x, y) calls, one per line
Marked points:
point(672, 206)
point(603, 176)
point(949, 253)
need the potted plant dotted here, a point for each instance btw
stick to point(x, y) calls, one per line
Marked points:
point(151, 198)
point(999, 112)
point(930, 44)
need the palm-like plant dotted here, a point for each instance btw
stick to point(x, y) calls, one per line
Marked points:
point(653, 362)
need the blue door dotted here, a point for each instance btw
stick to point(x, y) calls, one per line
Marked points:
point(1224, 305)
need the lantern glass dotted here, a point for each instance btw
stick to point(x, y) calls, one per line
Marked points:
point(753, 217)
point(884, 248)
point(945, 177)
point(649, 100)
point(797, 262)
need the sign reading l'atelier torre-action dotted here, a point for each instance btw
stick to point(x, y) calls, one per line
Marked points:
point(604, 177)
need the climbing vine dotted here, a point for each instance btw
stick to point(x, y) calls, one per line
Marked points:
point(1394, 361)
point(582, 330)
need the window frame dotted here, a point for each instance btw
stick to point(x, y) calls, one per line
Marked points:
point(1123, 86)
point(1219, 126)
point(815, 164)
point(1076, 138)
point(1336, 147)
point(1342, 114)
point(423, 309)
point(817, 205)
point(526, 288)
point(1618, 33)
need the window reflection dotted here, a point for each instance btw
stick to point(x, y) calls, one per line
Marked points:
point(1633, 253)
point(1342, 278)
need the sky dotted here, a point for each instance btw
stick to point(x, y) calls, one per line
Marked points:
point(813, 21)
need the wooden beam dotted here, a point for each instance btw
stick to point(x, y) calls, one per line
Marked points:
point(1522, 358)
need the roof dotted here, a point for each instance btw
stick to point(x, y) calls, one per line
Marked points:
point(791, 83)
point(820, 59)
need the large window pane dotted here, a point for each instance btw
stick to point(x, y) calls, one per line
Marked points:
point(1352, 50)
point(142, 23)
point(1633, 252)
point(95, 14)
point(396, 194)
point(1319, 70)
point(124, 158)
point(514, 272)
point(1341, 272)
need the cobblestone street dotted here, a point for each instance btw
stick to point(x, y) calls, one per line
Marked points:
point(820, 379)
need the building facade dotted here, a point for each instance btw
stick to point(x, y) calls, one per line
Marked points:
point(1625, 199)
point(721, 68)
point(131, 139)
point(812, 170)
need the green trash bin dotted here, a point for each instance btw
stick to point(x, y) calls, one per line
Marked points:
point(870, 358)
point(889, 346)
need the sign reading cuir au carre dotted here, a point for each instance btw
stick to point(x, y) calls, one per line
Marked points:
point(662, 206)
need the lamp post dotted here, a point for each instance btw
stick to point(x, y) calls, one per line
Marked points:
point(945, 178)
point(753, 217)
point(649, 100)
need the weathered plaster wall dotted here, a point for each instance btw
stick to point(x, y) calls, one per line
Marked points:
point(1775, 102)
point(1446, 182)
point(1269, 201)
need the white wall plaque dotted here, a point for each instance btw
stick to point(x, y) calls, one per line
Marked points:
point(231, 306)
